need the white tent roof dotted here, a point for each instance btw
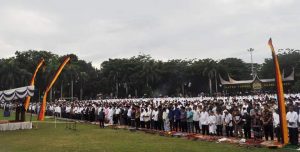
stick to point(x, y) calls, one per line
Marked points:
point(17, 93)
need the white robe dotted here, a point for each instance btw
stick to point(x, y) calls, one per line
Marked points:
point(212, 124)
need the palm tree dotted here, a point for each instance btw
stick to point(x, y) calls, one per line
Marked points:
point(211, 72)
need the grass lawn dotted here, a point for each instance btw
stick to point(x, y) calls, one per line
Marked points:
point(91, 138)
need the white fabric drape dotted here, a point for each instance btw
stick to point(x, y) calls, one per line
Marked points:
point(18, 93)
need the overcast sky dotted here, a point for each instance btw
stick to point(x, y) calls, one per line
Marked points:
point(165, 29)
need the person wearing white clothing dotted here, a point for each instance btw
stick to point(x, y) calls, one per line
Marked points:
point(196, 118)
point(166, 119)
point(212, 123)
point(155, 118)
point(129, 116)
point(276, 125)
point(57, 111)
point(228, 124)
point(292, 120)
point(204, 121)
point(110, 115)
point(147, 118)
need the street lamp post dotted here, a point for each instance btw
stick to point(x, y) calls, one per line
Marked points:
point(252, 69)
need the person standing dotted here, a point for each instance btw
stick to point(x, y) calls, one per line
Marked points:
point(129, 117)
point(110, 115)
point(256, 123)
point(292, 120)
point(101, 118)
point(132, 118)
point(22, 113)
point(190, 126)
point(155, 118)
point(160, 119)
point(204, 121)
point(237, 122)
point(117, 115)
point(267, 120)
point(212, 123)
point(228, 123)
point(147, 118)
point(276, 123)
point(171, 118)
point(219, 123)
point(247, 125)
point(137, 117)
point(177, 118)
point(166, 119)
point(196, 117)
point(57, 111)
point(183, 120)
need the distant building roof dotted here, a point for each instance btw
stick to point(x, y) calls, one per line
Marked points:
point(291, 77)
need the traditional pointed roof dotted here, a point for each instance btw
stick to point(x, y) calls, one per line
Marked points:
point(291, 77)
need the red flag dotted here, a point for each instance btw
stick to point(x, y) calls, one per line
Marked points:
point(43, 106)
point(280, 96)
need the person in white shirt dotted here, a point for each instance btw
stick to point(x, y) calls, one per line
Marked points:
point(68, 108)
point(228, 124)
point(110, 115)
point(292, 120)
point(51, 109)
point(166, 119)
point(147, 118)
point(276, 123)
point(57, 111)
point(129, 116)
point(117, 115)
point(155, 118)
point(204, 121)
point(196, 118)
point(212, 123)
point(142, 122)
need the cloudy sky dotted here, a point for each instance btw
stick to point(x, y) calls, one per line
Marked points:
point(165, 29)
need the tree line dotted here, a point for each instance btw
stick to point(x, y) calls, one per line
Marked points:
point(138, 76)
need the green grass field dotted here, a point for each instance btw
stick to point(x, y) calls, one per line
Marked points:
point(47, 138)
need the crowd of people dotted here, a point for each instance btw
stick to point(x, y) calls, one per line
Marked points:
point(254, 116)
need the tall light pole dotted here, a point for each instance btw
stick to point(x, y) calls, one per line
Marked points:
point(252, 70)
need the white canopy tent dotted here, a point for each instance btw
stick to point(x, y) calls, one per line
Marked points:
point(17, 93)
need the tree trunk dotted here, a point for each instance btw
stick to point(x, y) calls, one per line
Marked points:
point(210, 86)
point(72, 91)
point(61, 89)
point(216, 81)
point(182, 88)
